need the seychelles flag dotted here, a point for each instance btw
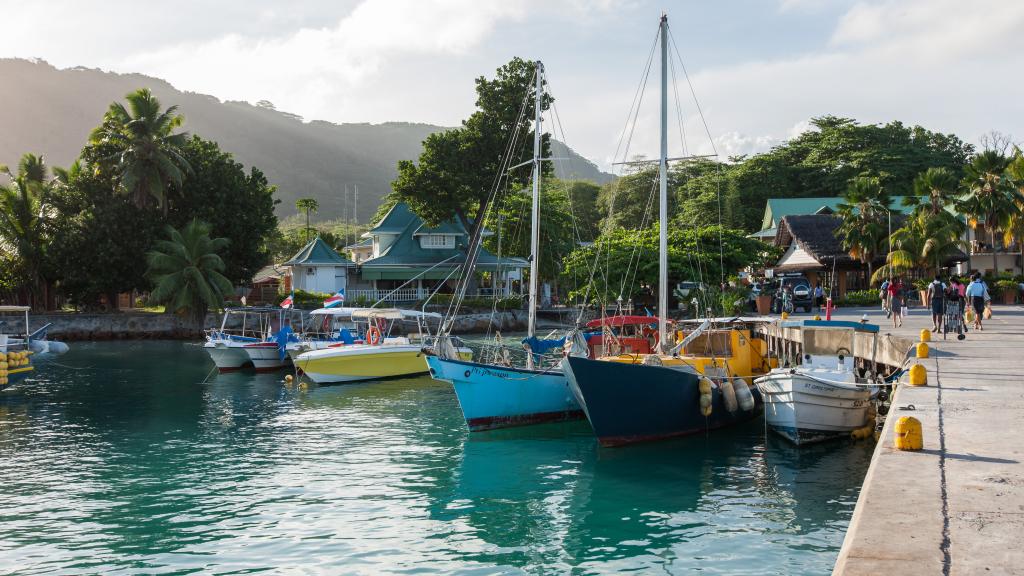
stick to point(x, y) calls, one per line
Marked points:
point(337, 300)
point(287, 302)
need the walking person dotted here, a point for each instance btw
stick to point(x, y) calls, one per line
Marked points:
point(819, 296)
point(896, 302)
point(936, 295)
point(977, 296)
point(883, 294)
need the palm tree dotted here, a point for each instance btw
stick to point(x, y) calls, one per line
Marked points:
point(864, 211)
point(990, 196)
point(187, 272)
point(1015, 226)
point(22, 216)
point(309, 205)
point(139, 144)
point(939, 187)
point(922, 243)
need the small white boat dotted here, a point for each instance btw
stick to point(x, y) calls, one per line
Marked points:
point(227, 345)
point(825, 396)
point(327, 327)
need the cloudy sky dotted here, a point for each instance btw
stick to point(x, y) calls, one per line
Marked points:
point(760, 68)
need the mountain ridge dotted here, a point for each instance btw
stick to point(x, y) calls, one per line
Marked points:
point(50, 111)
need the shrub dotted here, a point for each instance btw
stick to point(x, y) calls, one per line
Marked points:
point(860, 298)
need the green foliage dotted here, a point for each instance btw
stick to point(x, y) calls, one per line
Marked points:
point(186, 271)
point(865, 219)
point(308, 205)
point(237, 205)
point(628, 260)
point(822, 161)
point(139, 146)
point(991, 195)
point(514, 302)
point(860, 298)
point(23, 216)
point(556, 227)
point(922, 244)
point(99, 240)
point(456, 171)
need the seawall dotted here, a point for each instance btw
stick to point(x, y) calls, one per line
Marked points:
point(72, 326)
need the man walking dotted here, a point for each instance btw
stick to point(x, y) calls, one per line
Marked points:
point(936, 295)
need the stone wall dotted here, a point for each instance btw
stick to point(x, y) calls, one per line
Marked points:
point(147, 325)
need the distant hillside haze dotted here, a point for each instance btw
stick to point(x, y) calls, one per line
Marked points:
point(51, 111)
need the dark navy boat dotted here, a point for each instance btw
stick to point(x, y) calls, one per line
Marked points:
point(628, 403)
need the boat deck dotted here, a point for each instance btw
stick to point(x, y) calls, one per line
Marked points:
point(957, 506)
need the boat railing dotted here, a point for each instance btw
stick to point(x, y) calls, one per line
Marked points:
point(511, 356)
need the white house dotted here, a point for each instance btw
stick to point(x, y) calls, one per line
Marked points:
point(318, 268)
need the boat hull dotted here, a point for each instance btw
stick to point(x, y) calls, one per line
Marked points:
point(227, 357)
point(805, 410)
point(359, 362)
point(498, 397)
point(266, 356)
point(629, 403)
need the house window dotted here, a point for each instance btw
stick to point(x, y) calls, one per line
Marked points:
point(310, 271)
point(437, 241)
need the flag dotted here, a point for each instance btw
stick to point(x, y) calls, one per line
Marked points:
point(337, 300)
point(287, 302)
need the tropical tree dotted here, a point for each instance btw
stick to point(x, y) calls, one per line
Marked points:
point(938, 187)
point(187, 271)
point(922, 243)
point(309, 205)
point(1015, 227)
point(864, 211)
point(990, 197)
point(139, 145)
point(23, 212)
point(458, 170)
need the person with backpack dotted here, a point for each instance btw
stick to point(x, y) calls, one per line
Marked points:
point(936, 295)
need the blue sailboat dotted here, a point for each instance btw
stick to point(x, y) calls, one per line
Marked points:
point(497, 394)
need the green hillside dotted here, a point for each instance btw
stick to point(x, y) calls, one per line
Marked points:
point(51, 112)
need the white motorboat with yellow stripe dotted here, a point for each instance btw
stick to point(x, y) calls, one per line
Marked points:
point(385, 353)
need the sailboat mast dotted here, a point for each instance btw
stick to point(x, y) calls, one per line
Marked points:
point(663, 196)
point(535, 216)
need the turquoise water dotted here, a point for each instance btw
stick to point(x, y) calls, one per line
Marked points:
point(119, 460)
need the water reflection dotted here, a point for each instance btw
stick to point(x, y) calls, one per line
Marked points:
point(122, 457)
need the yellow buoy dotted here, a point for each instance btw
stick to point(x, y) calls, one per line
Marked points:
point(817, 317)
point(918, 375)
point(863, 432)
point(908, 434)
point(785, 315)
point(926, 335)
point(303, 386)
point(922, 350)
point(289, 378)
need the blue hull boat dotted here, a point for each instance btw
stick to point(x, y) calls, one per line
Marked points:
point(629, 403)
point(499, 397)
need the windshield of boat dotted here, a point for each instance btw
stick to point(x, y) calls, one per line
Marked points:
point(828, 342)
point(709, 343)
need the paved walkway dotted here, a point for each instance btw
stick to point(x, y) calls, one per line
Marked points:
point(956, 507)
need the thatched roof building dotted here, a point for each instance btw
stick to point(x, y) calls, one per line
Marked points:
point(811, 244)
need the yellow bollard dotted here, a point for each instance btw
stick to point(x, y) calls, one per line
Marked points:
point(908, 434)
point(926, 335)
point(918, 375)
point(922, 350)
point(785, 315)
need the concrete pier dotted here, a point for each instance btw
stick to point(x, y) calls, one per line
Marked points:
point(957, 506)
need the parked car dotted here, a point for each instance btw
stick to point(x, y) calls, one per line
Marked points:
point(803, 295)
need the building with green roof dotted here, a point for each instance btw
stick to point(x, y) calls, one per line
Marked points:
point(410, 255)
point(318, 268)
point(778, 208)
